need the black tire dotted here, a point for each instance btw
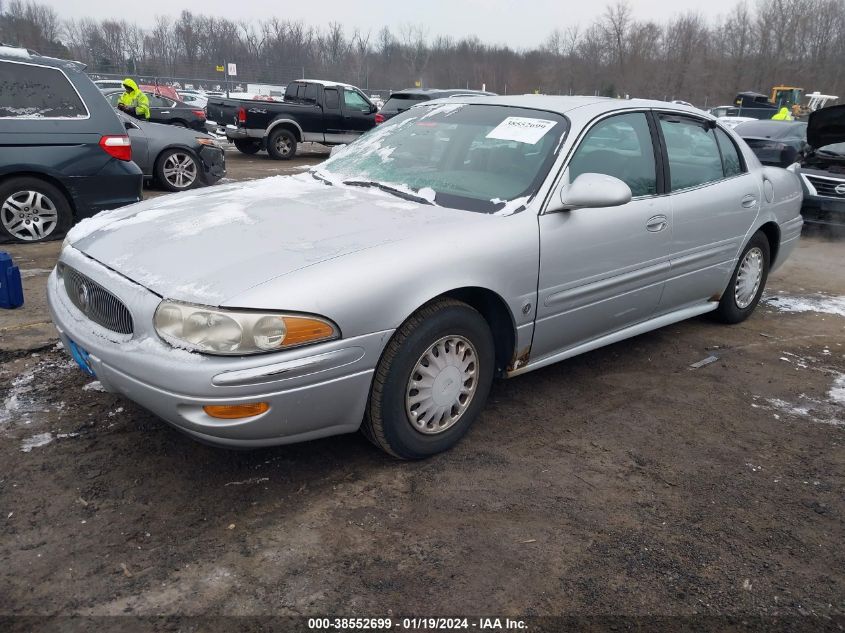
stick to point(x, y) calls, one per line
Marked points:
point(248, 147)
point(386, 421)
point(36, 227)
point(729, 311)
point(281, 144)
point(162, 178)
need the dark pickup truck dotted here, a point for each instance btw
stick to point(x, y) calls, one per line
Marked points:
point(313, 111)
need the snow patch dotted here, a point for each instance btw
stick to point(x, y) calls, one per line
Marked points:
point(825, 304)
point(94, 386)
point(20, 53)
point(837, 391)
point(42, 439)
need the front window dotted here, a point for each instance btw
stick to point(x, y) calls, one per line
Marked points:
point(476, 157)
point(354, 101)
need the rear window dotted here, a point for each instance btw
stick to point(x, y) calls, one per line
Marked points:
point(28, 91)
point(400, 103)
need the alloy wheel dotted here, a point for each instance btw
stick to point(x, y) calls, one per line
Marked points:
point(180, 170)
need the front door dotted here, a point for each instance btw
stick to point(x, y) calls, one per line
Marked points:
point(358, 113)
point(603, 269)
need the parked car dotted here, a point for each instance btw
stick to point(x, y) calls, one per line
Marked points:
point(312, 111)
point(64, 154)
point(178, 159)
point(108, 84)
point(400, 101)
point(193, 99)
point(464, 239)
point(823, 167)
point(776, 143)
point(167, 111)
point(754, 105)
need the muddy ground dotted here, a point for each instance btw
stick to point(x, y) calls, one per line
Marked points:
point(618, 482)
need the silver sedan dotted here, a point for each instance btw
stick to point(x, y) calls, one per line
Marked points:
point(385, 290)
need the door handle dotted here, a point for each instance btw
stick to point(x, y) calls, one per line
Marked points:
point(657, 223)
point(165, 111)
point(749, 201)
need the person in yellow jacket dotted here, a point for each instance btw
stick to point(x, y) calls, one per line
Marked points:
point(134, 102)
point(782, 115)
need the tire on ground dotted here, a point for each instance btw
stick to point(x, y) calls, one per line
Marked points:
point(281, 144)
point(728, 310)
point(18, 223)
point(386, 422)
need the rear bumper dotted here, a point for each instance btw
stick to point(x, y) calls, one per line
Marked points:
point(234, 133)
point(118, 184)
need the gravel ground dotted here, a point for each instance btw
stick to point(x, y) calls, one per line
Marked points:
point(622, 481)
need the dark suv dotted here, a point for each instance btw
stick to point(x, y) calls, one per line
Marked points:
point(404, 99)
point(64, 153)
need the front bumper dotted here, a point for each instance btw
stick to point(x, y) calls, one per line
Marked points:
point(822, 209)
point(313, 392)
point(213, 161)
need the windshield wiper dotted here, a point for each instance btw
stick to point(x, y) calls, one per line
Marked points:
point(317, 176)
point(396, 192)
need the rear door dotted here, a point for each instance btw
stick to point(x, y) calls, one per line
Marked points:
point(358, 113)
point(602, 270)
point(160, 108)
point(714, 201)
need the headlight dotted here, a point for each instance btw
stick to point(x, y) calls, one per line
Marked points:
point(214, 331)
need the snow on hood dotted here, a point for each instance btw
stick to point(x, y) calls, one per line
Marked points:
point(205, 246)
point(826, 126)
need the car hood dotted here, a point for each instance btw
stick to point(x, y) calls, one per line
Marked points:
point(210, 245)
point(826, 126)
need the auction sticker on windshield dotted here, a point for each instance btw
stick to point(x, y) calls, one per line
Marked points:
point(521, 129)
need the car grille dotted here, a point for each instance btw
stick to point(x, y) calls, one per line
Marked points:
point(825, 187)
point(95, 302)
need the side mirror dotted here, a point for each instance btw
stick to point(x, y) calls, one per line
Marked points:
point(590, 191)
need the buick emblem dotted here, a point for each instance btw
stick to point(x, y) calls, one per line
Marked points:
point(83, 297)
point(840, 189)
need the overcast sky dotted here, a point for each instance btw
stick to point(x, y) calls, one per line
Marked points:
point(518, 23)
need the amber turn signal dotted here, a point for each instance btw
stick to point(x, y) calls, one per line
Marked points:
point(303, 330)
point(236, 411)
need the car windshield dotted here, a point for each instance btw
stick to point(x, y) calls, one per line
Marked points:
point(485, 158)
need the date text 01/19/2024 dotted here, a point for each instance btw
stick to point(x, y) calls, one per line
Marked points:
point(415, 624)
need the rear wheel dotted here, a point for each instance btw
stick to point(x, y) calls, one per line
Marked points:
point(248, 147)
point(281, 144)
point(431, 382)
point(177, 170)
point(32, 210)
point(747, 283)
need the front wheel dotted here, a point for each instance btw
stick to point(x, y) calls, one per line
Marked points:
point(747, 283)
point(431, 382)
point(177, 170)
point(281, 145)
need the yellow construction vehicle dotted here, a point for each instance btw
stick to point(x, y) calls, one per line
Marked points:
point(790, 97)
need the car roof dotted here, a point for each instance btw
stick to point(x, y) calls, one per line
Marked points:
point(322, 82)
point(18, 54)
point(590, 106)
